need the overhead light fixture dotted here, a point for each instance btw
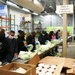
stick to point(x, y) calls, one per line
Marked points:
point(30, 5)
point(35, 1)
point(51, 7)
point(11, 4)
point(41, 16)
point(34, 13)
point(58, 14)
point(45, 11)
point(61, 16)
point(25, 9)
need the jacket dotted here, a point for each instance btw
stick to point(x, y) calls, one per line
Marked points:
point(21, 45)
point(3, 48)
point(13, 48)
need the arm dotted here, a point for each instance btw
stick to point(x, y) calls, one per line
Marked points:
point(16, 49)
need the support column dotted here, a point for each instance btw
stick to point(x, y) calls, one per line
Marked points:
point(65, 31)
point(14, 22)
point(73, 24)
point(32, 22)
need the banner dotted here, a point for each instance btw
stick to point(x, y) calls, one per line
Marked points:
point(3, 10)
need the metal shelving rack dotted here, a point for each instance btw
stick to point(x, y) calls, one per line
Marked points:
point(25, 25)
point(6, 22)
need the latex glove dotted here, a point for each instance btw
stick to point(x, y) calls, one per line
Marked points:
point(15, 55)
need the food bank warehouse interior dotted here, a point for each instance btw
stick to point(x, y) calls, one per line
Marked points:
point(37, 37)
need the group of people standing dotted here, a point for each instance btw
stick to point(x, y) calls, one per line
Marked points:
point(51, 36)
point(11, 46)
point(8, 46)
point(45, 36)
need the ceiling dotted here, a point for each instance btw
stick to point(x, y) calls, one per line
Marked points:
point(50, 5)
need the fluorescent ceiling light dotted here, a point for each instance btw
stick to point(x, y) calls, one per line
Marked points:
point(57, 13)
point(50, 6)
point(60, 15)
point(34, 13)
point(25, 9)
point(41, 16)
point(30, 0)
point(45, 12)
point(35, 1)
point(11, 4)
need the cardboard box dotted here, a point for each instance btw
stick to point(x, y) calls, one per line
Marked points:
point(71, 71)
point(34, 60)
point(5, 70)
point(59, 61)
point(54, 61)
point(50, 61)
point(69, 62)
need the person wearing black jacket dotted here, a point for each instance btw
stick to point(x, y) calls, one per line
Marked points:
point(13, 47)
point(57, 34)
point(41, 38)
point(31, 40)
point(3, 45)
point(20, 40)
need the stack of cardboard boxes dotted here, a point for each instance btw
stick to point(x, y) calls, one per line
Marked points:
point(61, 62)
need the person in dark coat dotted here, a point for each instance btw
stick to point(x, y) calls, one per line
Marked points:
point(3, 45)
point(20, 40)
point(41, 38)
point(45, 35)
point(31, 40)
point(51, 36)
point(57, 34)
point(13, 47)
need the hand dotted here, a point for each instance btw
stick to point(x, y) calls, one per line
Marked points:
point(15, 55)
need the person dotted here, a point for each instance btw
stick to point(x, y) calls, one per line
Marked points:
point(20, 41)
point(57, 34)
point(46, 35)
point(3, 45)
point(13, 47)
point(51, 36)
point(41, 38)
point(31, 40)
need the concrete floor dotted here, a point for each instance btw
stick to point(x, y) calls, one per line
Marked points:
point(71, 50)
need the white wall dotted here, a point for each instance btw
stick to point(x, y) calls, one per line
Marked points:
point(46, 21)
point(18, 16)
point(52, 20)
point(55, 20)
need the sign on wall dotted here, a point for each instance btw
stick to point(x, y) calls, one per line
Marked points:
point(3, 10)
point(61, 9)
